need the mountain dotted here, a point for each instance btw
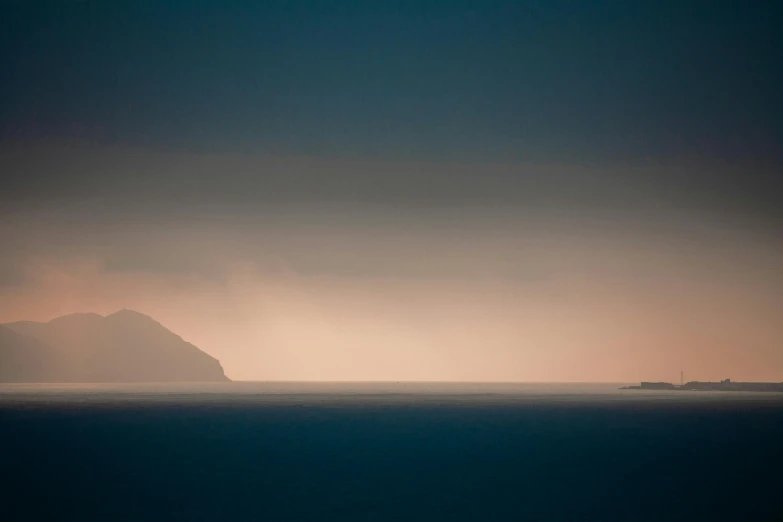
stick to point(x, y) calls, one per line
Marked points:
point(125, 346)
point(25, 359)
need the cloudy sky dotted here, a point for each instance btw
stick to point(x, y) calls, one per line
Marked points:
point(521, 190)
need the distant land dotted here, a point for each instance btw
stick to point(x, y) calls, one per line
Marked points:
point(724, 385)
point(125, 346)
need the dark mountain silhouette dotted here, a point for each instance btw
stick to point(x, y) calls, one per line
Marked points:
point(122, 347)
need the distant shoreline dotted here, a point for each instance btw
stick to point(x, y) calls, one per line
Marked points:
point(725, 385)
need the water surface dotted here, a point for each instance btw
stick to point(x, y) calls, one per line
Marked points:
point(388, 451)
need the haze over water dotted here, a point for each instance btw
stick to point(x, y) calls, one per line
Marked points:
point(392, 393)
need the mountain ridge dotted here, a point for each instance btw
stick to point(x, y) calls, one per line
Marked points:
point(125, 346)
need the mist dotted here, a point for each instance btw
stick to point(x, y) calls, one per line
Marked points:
point(592, 280)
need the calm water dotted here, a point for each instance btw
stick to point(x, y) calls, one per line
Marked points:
point(377, 452)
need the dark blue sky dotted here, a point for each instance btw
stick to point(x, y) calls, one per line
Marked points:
point(542, 81)
point(648, 108)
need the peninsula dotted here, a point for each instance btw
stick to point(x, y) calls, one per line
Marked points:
point(724, 385)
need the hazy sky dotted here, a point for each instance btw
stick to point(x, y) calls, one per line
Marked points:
point(521, 190)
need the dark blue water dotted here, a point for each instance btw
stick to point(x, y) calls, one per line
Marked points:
point(392, 452)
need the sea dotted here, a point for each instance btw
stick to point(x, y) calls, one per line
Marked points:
point(270, 451)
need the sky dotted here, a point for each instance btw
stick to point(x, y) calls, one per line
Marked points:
point(406, 190)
